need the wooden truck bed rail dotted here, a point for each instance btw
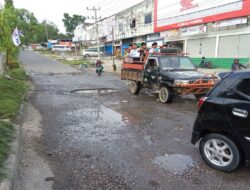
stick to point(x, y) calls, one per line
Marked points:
point(134, 75)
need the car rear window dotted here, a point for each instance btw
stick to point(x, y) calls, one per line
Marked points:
point(239, 91)
point(222, 87)
point(244, 87)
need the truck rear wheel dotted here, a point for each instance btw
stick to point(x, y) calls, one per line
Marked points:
point(166, 95)
point(135, 87)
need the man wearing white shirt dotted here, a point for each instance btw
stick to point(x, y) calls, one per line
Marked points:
point(154, 48)
point(134, 51)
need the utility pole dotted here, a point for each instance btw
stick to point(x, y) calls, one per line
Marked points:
point(46, 31)
point(113, 49)
point(96, 28)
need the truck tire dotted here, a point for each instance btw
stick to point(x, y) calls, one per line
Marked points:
point(135, 87)
point(166, 95)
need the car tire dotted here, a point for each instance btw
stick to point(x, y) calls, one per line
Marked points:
point(135, 87)
point(220, 152)
point(87, 55)
point(166, 95)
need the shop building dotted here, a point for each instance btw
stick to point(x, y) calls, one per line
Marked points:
point(217, 30)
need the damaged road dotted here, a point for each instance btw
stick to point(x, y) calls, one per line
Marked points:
point(91, 133)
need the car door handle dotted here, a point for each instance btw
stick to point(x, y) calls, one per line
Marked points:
point(240, 113)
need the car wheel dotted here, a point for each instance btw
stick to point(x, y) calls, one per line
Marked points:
point(220, 152)
point(166, 95)
point(87, 55)
point(135, 87)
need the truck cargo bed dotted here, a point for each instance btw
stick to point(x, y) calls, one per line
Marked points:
point(129, 74)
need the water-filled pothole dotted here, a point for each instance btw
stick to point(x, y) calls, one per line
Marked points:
point(94, 91)
point(175, 163)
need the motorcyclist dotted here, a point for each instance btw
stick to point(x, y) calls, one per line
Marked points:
point(237, 65)
point(99, 67)
point(203, 62)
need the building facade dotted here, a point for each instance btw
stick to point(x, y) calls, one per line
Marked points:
point(217, 30)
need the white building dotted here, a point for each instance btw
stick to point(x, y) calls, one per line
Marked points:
point(218, 30)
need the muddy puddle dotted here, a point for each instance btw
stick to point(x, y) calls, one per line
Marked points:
point(94, 91)
point(175, 163)
point(97, 124)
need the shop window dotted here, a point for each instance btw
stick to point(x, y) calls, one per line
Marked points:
point(148, 18)
point(133, 23)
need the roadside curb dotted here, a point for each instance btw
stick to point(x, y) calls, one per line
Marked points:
point(12, 161)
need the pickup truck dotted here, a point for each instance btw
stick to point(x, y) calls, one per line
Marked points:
point(169, 74)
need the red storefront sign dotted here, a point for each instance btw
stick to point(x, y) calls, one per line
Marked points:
point(181, 13)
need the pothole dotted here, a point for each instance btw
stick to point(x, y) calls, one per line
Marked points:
point(94, 91)
point(175, 163)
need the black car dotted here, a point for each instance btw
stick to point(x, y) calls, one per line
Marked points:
point(223, 123)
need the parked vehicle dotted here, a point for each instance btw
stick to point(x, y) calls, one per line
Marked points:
point(61, 48)
point(223, 122)
point(93, 52)
point(170, 74)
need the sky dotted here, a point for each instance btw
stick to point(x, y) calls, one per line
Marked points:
point(53, 10)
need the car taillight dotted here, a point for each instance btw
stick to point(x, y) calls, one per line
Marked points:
point(200, 102)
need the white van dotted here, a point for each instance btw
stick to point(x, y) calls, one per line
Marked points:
point(60, 48)
point(92, 52)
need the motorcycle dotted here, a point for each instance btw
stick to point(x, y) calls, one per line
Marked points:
point(208, 65)
point(99, 68)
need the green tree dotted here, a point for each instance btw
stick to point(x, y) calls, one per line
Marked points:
point(71, 22)
point(27, 24)
point(8, 22)
point(8, 3)
point(52, 29)
point(33, 31)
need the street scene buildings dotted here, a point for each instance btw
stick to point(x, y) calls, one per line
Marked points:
point(217, 31)
point(128, 95)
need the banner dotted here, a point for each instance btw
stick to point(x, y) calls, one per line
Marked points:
point(16, 38)
point(193, 30)
point(230, 22)
point(175, 14)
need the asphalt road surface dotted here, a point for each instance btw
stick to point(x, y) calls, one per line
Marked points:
point(96, 135)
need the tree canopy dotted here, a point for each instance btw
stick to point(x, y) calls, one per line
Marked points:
point(8, 3)
point(71, 22)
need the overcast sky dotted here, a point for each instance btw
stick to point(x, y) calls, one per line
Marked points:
point(53, 10)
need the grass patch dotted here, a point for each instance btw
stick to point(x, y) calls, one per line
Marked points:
point(6, 136)
point(12, 93)
point(75, 62)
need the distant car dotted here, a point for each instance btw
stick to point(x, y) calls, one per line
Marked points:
point(91, 53)
point(60, 48)
point(223, 123)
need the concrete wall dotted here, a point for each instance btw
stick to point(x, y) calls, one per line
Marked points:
point(138, 13)
point(121, 23)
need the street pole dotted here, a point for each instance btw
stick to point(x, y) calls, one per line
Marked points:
point(97, 34)
point(96, 28)
point(113, 49)
point(46, 31)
